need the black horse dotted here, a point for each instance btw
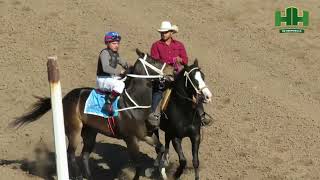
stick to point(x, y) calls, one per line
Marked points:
point(131, 125)
point(180, 119)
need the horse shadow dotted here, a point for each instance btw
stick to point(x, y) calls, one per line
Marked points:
point(117, 159)
point(107, 162)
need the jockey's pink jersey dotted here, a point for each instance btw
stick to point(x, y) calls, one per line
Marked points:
point(169, 53)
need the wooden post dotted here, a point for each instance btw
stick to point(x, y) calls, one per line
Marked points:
point(58, 122)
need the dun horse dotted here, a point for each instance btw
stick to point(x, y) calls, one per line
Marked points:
point(131, 124)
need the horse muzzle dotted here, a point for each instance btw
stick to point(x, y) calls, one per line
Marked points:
point(206, 95)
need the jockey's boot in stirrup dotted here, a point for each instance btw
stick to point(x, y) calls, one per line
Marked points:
point(109, 101)
point(205, 121)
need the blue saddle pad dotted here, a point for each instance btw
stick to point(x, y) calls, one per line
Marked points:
point(95, 102)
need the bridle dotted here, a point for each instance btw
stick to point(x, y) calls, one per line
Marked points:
point(188, 79)
point(187, 75)
point(148, 76)
point(145, 65)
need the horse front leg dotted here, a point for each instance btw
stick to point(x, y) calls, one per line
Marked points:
point(159, 149)
point(155, 141)
point(134, 153)
point(176, 142)
point(164, 159)
point(195, 141)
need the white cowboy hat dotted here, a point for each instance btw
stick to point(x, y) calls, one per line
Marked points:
point(166, 26)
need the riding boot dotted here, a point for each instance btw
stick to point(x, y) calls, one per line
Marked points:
point(154, 117)
point(154, 120)
point(205, 121)
point(109, 101)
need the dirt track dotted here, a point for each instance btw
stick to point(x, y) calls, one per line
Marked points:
point(266, 85)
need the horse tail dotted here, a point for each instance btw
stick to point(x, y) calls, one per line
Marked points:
point(42, 106)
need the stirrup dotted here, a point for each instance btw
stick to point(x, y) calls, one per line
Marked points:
point(156, 115)
point(208, 118)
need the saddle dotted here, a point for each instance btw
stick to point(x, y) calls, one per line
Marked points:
point(96, 101)
point(165, 99)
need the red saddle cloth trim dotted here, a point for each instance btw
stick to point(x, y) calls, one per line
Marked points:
point(111, 124)
point(110, 120)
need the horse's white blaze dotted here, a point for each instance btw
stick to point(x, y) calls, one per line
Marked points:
point(202, 85)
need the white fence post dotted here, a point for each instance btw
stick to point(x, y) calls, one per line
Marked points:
point(58, 122)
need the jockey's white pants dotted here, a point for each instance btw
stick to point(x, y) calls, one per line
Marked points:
point(110, 84)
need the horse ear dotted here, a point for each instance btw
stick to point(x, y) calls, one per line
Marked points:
point(196, 63)
point(139, 53)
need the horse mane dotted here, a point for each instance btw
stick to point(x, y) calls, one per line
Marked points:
point(181, 73)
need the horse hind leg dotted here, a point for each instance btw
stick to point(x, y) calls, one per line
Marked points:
point(89, 140)
point(176, 142)
point(74, 136)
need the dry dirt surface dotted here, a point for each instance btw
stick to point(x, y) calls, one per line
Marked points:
point(266, 84)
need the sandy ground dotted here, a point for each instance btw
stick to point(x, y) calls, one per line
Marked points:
point(266, 85)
